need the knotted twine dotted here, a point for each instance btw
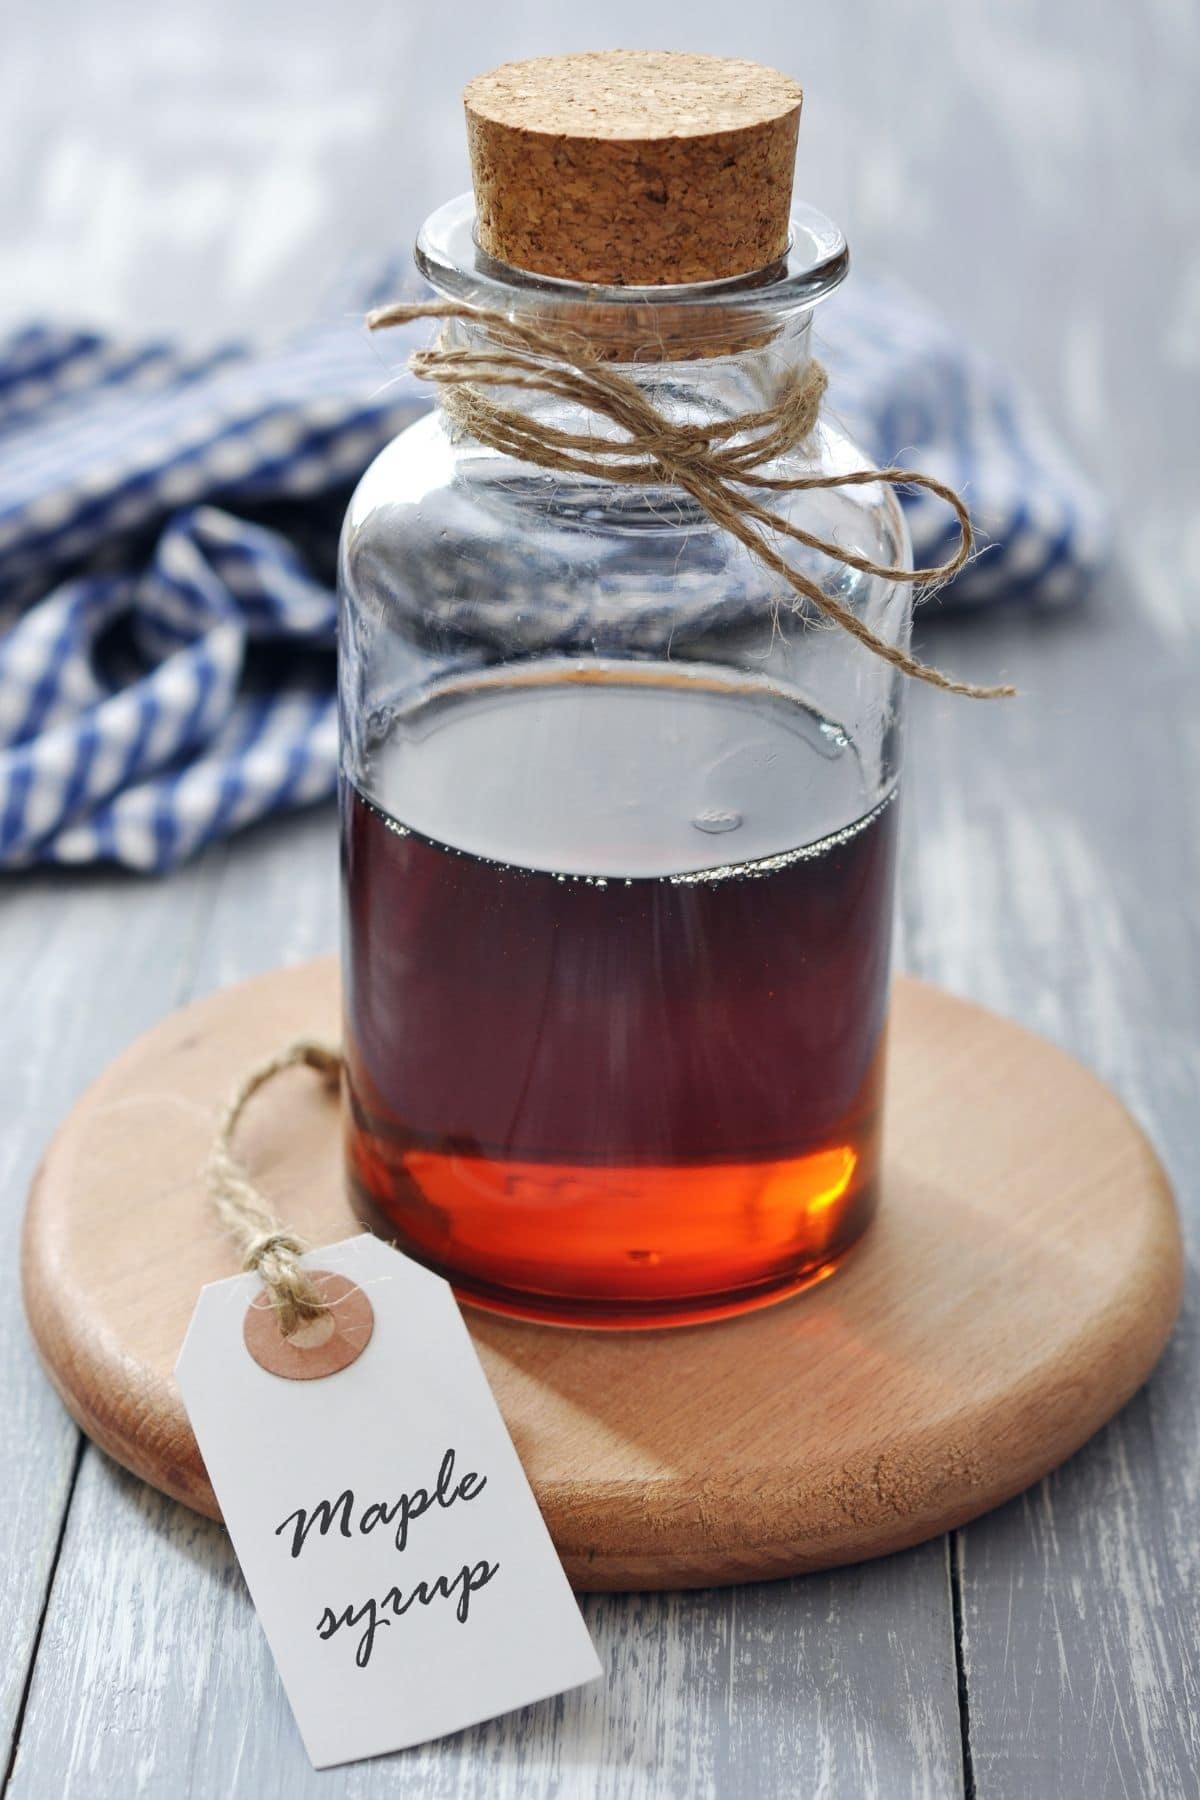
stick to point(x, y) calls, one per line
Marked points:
point(269, 1248)
point(720, 465)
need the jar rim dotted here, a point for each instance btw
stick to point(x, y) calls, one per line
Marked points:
point(449, 256)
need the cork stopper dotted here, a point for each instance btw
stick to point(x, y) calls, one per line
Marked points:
point(633, 166)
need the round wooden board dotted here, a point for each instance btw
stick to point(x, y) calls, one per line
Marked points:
point(1018, 1286)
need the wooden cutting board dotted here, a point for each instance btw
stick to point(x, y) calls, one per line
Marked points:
point(1018, 1286)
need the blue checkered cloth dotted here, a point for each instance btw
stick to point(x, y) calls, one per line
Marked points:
point(168, 531)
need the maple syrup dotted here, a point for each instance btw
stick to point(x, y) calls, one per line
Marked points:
point(616, 963)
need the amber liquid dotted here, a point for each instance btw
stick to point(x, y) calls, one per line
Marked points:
point(614, 1076)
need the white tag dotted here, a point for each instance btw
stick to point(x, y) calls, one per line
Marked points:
point(403, 1574)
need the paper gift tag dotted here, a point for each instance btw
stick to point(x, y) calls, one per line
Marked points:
point(393, 1548)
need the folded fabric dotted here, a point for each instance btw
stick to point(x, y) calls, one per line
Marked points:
point(168, 532)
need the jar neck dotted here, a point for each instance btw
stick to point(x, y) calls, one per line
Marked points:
point(705, 352)
point(690, 378)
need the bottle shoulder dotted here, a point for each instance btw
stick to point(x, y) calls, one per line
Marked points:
point(419, 460)
point(426, 466)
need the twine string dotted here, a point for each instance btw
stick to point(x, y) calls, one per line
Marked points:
point(268, 1247)
point(720, 465)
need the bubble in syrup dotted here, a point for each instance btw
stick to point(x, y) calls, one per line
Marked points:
point(834, 736)
point(715, 819)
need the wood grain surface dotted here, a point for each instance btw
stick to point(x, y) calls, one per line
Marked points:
point(207, 171)
point(1017, 1287)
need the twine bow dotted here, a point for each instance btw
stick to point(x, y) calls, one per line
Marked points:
point(720, 465)
point(266, 1243)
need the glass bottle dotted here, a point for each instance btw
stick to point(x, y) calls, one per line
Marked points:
point(618, 830)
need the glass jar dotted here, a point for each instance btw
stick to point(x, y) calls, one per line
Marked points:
point(618, 833)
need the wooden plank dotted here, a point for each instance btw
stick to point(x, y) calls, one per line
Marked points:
point(1055, 879)
point(1048, 882)
point(277, 902)
point(153, 1656)
point(839, 1684)
point(89, 962)
point(845, 1684)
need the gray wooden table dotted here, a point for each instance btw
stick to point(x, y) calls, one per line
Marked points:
point(212, 169)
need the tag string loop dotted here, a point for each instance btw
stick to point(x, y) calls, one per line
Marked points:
point(268, 1247)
